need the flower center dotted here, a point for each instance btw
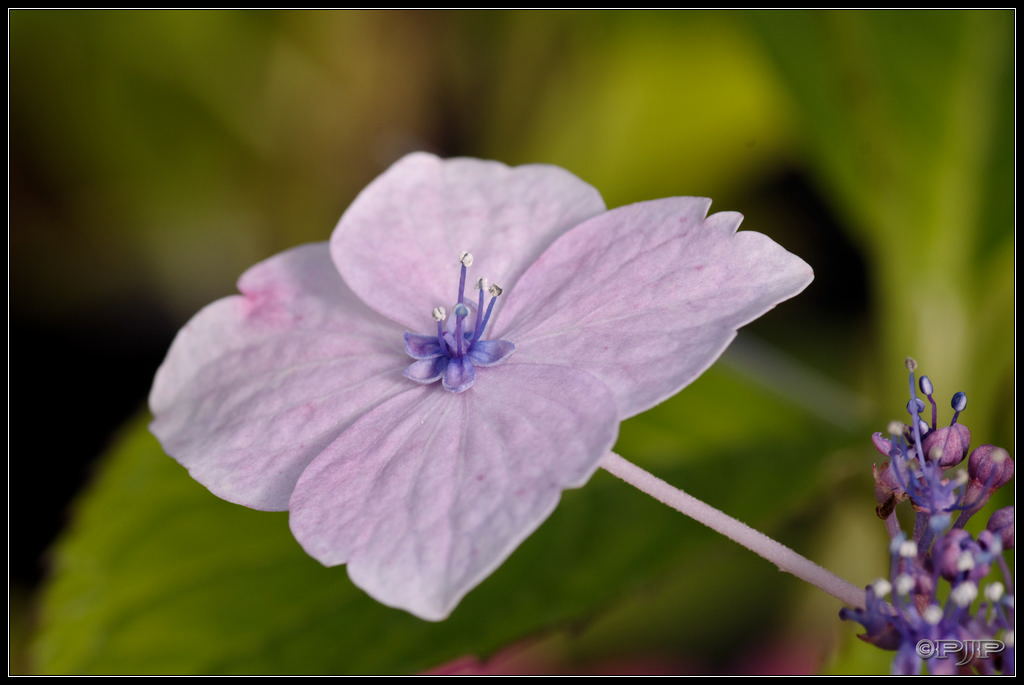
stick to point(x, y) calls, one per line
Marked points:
point(453, 354)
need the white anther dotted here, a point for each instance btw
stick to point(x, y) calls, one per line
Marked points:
point(882, 587)
point(494, 290)
point(904, 584)
point(932, 614)
point(965, 562)
point(963, 594)
point(895, 428)
point(908, 550)
point(481, 284)
point(466, 259)
point(439, 314)
point(994, 592)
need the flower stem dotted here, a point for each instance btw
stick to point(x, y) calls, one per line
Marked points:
point(786, 559)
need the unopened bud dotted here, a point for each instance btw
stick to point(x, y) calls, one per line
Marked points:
point(1001, 524)
point(948, 445)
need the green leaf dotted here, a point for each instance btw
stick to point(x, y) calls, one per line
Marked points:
point(157, 576)
point(909, 127)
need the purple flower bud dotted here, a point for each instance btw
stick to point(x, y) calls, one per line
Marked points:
point(947, 446)
point(990, 466)
point(937, 575)
point(989, 543)
point(1001, 523)
point(949, 549)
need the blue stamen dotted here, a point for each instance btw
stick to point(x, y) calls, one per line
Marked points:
point(459, 349)
point(928, 389)
point(495, 291)
point(478, 328)
point(959, 403)
point(915, 403)
point(461, 312)
point(466, 260)
point(440, 315)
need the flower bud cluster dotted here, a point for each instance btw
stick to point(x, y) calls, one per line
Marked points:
point(934, 617)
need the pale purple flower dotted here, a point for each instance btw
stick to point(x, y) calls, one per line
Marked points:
point(415, 431)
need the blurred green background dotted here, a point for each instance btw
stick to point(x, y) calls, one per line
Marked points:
point(155, 155)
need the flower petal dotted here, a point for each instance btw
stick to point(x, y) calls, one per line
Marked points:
point(427, 370)
point(647, 296)
point(460, 374)
point(490, 352)
point(256, 385)
point(422, 346)
point(426, 495)
point(397, 245)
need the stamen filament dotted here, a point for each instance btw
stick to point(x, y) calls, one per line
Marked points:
point(462, 286)
point(478, 326)
point(495, 291)
point(487, 316)
point(440, 315)
point(466, 260)
point(461, 312)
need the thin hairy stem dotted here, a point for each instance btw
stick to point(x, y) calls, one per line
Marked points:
point(786, 559)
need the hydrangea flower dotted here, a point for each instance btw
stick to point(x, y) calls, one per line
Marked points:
point(417, 429)
point(937, 574)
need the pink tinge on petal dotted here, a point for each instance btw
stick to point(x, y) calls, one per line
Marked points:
point(427, 494)
point(646, 297)
point(255, 386)
point(398, 244)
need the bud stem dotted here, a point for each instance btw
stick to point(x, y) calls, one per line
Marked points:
point(786, 559)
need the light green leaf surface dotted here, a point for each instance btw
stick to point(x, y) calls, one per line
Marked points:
point(908, 124)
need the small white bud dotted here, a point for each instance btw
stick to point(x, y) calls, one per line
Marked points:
point(965, 562)
point(882, 587)
point(904, 584)
point(994, 592)
point(963, 594)
point(908, 550)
